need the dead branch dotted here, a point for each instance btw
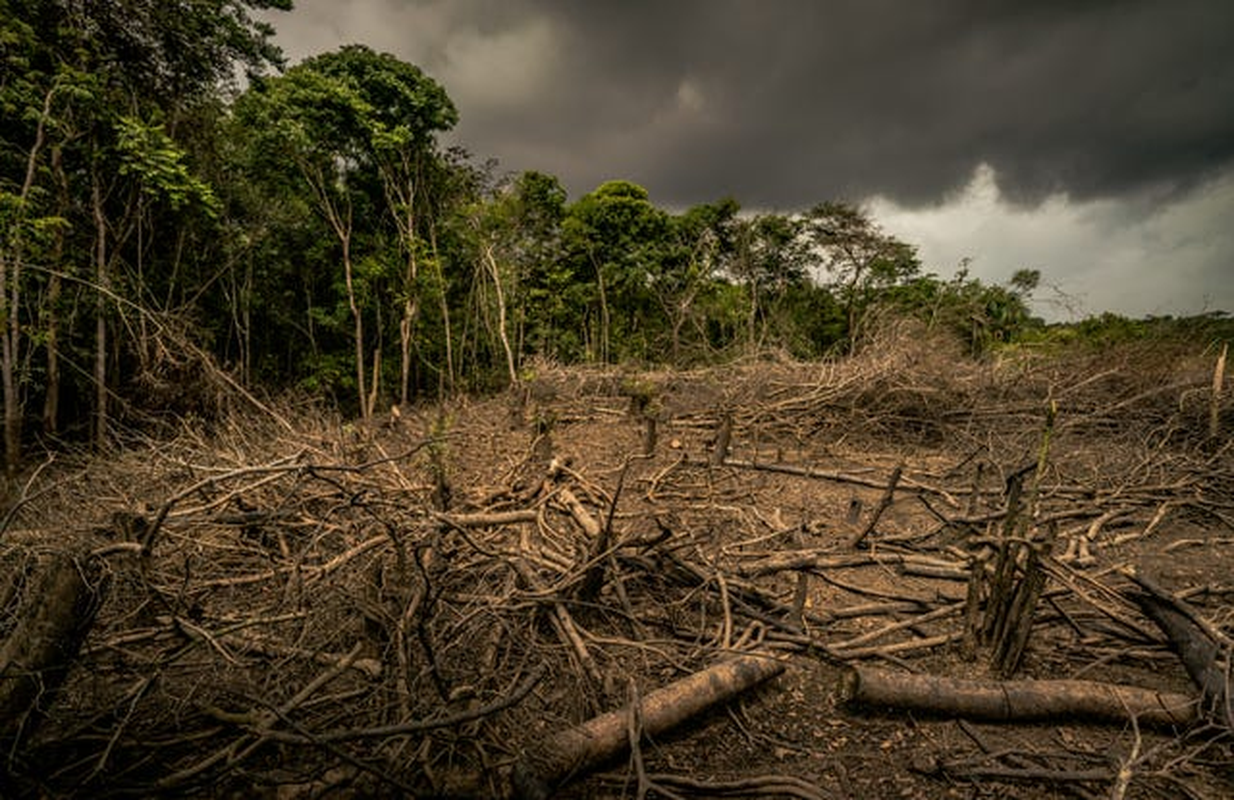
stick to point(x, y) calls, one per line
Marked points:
point(883, 503)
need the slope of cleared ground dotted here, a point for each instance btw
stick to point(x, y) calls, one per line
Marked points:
point(416, 605)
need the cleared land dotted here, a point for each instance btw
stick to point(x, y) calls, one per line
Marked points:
point(426, 605)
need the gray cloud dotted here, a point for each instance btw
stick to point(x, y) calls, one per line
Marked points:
point(784, 103)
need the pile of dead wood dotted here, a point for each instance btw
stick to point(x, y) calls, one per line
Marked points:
point(444, 606)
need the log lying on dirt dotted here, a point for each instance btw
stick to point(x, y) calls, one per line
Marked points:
point(578, 750)
point(1204, 652)
point(48, 603)
point(1017, 701)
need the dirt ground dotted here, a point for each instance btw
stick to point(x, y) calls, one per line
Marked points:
point(418, 604)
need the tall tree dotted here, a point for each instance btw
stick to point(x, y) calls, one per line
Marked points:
point(767, 259)
point(516, 231)
point(703, 240)
point(71, 71)
point(616, 237)
point(404, 109)
point(857, 256)
point(345, 120)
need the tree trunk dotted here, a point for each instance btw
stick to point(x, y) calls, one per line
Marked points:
point(345, 239)
point(1214, 405)
point(9, 360)
point(604, 316)
point(495, 273)
point(1202, 648)
point(399, 185)
point(444, 305)
point(411, 310)
point(51, 398)
point(578, 750)
point(339, 215)
point(1016, 701)
point(404, 342)
point(59, 595)
point(12, 413)
point(102, 280)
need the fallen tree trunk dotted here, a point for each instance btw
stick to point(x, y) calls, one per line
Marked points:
point(1017, 701)
point(578, 750)
point(50, 600)
point(1204, 652)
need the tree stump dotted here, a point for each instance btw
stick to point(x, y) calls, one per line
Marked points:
point(48, 601)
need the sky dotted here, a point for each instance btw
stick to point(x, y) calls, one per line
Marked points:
point(1090, 139)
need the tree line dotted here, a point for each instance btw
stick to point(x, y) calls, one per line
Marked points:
point(170, 196)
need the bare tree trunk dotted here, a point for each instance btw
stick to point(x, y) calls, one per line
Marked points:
point(51, 398)
point(401, 195)
point(9, 359)
point(359, 325)
point(1214, 406)
point(375, 373)
point(604, 315)
point(411, 310)
point(246, 321)
point(445, 315)
point(102, 279)
point(495, 273)
point(12, 413)
point(404, 343)
point(339, 216)
point(376, 378)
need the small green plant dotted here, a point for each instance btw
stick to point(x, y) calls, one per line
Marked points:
point(643, 394)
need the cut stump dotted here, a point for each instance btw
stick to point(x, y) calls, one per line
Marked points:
point(47, 605)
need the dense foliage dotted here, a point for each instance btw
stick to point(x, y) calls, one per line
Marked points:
point(158, 223)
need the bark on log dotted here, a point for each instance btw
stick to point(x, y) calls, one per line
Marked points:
point(1200, 648)
point(578, 750)
point(52, 605)
point(1017, 701)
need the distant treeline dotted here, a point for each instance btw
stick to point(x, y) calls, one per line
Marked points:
point(158, 224)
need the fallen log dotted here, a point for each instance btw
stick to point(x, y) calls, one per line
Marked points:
point(578, 750)
point(50, 600)
point(1204, 652)
point(1017, 701)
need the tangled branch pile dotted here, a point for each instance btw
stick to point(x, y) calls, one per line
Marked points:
point(420, 607)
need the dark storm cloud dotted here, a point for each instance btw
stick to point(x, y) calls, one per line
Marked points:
point(785, 102)
point(802, 100)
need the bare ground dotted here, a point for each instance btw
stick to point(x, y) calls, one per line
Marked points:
point(412, 606)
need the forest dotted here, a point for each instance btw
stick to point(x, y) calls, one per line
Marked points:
point(174, 205)
point(343, 462)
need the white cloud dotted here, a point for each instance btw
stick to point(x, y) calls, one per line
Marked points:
point(1132, 256)
point(690, 96)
